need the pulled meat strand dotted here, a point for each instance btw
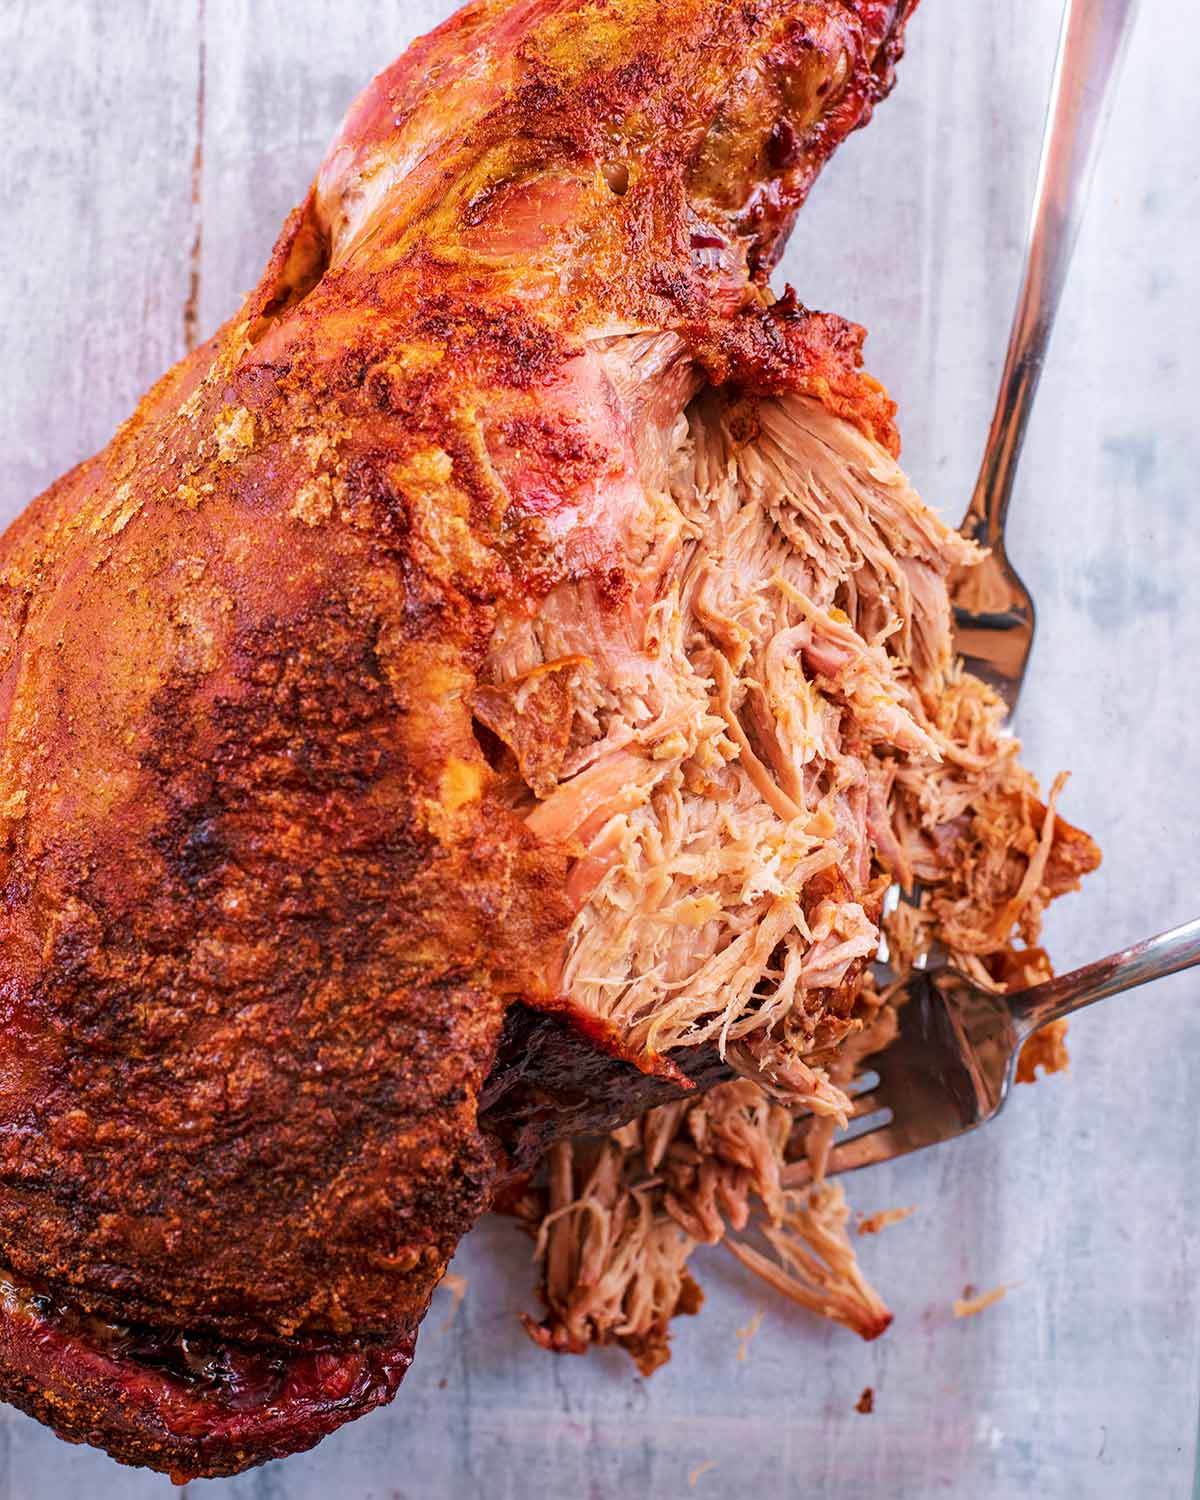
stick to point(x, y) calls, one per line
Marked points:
point(877, 1223)
point(971, 1307)
point(622, 1217)
point(815, 1264)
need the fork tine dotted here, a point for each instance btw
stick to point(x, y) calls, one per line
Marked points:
point(944, 1073)
point(796, 1174)
point(863, 1151)
point(860, 1104)
point(867, 1104)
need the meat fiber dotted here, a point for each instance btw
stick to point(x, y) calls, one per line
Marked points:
point(480, 695)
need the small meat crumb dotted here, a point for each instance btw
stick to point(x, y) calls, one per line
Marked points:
point(700, 1471)
point(873, 1223)
point(457, 1287)
point(14, 807)
point(866, 1402)
point(1046, 1049)
point(747, 1333)
point(969, 1303)
point(314, 501)
point(234, 431)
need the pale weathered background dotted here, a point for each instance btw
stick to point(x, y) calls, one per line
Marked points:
point(150, 149)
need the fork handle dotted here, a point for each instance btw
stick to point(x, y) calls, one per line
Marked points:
point(1154, 959)
point(1089, 54)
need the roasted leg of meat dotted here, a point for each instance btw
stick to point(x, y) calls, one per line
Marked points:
point(461, 707)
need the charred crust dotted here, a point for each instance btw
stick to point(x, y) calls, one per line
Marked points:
point(552, 1079)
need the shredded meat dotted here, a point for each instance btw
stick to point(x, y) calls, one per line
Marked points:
point(618, 1220)
point(729, 728)
point(792, 733)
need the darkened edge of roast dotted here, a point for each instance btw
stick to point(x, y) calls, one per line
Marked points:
point(550, 1081)
point(202, 1407)
point(126, 1391)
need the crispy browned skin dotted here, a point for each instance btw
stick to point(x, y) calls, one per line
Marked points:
point(262, 914)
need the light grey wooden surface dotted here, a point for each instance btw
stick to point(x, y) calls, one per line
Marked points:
point(150, 149)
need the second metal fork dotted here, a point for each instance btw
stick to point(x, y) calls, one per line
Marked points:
point(994, 611)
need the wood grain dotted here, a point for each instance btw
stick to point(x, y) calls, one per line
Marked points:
point(1086, 1379)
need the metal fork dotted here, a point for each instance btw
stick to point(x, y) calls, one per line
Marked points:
point(994, 615)
point(951, 1065)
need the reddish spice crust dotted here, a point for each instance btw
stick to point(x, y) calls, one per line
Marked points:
point(262, 915)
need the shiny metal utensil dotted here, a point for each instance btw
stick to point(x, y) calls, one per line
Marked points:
point(993, 611)
point(951, 1065)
